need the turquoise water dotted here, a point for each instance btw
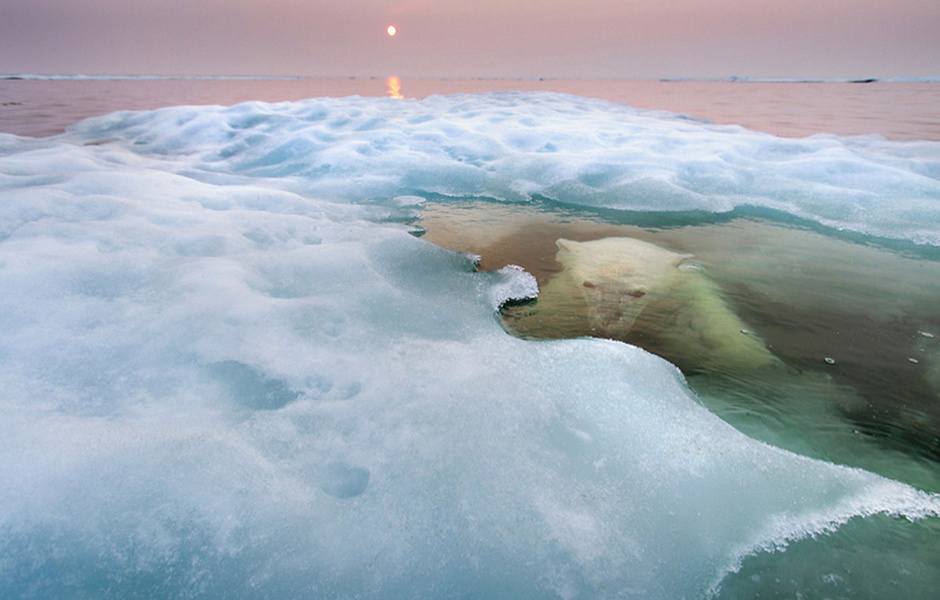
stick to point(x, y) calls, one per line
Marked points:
point(854, 323)
point(877, 557)
point(856, 328)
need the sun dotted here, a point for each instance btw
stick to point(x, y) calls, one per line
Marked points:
point(391, 31)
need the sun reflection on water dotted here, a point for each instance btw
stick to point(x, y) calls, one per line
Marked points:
point(394, 86)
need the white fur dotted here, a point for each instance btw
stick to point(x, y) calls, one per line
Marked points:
point(632, 286)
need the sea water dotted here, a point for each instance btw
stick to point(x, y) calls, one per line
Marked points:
point(899, 110)
point(235, 364)
point(855, 325)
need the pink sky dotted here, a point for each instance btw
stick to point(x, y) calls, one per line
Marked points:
point(467, 38)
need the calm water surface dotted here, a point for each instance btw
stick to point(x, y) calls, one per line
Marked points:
point(894, 110)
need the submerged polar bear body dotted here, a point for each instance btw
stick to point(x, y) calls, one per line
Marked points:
point(641, 293)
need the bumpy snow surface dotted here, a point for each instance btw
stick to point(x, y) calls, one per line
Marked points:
point(228, 369)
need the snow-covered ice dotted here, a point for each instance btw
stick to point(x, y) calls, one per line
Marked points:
point(230, 370)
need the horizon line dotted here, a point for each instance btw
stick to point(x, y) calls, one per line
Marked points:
point(726, 79)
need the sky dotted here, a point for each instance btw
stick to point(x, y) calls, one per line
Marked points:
point(474, 38)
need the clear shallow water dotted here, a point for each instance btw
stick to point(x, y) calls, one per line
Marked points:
point(232, 371)
point(870, 310)
point(898, 563)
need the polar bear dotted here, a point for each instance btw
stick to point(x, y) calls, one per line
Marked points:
point(661, 300)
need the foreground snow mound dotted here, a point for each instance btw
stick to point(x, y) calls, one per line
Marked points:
point(215, 385)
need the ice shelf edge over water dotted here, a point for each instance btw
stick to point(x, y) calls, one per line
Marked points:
point(228, 367)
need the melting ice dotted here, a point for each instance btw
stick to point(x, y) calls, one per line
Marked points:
point(230, 371)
